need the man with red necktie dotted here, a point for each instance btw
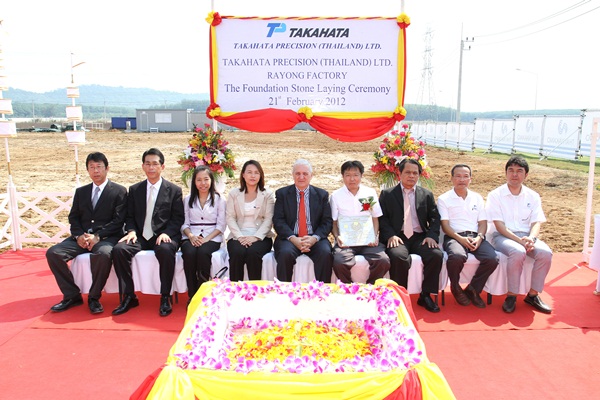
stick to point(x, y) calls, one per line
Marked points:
point(302, 220)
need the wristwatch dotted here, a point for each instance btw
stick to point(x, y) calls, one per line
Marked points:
point(481, 235)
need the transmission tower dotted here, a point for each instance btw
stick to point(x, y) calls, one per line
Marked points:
point(426, 94)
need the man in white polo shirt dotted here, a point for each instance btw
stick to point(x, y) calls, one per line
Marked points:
point(517, 214)
point(356, 200)
point(464, 222)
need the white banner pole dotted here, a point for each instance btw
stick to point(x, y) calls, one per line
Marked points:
point(590, 192)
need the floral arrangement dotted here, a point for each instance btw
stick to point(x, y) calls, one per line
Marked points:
point(367, 203)
point(375, 341)
point(397, 146)
point(207, 147)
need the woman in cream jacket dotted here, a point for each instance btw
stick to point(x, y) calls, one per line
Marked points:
point(250, 221)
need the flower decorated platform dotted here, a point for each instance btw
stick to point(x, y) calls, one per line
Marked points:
point(271, 340)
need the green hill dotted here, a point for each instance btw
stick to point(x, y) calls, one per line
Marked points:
point(110, 101)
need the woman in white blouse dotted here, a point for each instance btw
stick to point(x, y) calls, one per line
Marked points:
point(250, 219)
point(202, 229)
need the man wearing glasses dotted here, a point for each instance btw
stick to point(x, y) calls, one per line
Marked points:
point(96, 217)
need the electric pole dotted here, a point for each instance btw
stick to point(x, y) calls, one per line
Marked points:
point(462, 49)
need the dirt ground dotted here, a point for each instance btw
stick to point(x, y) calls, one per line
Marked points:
point(44, 162)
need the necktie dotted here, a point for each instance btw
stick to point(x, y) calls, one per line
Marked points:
point(95, 197)
point(408, 225)
point(147, 233)
point(302, 228)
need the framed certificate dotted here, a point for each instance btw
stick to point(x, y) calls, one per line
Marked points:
point(356, 231)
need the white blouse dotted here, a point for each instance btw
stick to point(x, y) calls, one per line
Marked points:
point(203, 221)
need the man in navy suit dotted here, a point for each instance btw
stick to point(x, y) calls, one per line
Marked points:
point(302, 220)
point(411, 224)
point(96, 217)
point(154, 219)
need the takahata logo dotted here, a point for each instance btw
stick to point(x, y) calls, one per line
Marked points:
point(276, 27)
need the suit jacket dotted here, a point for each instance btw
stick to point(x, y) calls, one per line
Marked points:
point(392, 220)
point(286, 212)
point(107, 219)
point(263, 213)
point(168, 210)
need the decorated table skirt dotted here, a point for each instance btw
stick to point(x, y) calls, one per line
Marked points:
point(177, 380)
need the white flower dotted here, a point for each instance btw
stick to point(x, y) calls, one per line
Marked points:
point(220, 156)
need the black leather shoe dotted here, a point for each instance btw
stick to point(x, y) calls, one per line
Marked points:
point(66, 304)
point(165, 306)
point(459, 295)
point(509, 304)
point(95, 306)
point(127, 304)
point(427, 302)
point(474, 297)
point(537, 303)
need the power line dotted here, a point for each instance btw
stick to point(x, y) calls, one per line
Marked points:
point(556, 14)
point(539, 30)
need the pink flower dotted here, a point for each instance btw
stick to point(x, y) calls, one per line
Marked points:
point(403, 134)
point(405, 126)
point(421, 152)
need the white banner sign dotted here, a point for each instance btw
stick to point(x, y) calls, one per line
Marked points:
point(561, 134)
point(329, 65)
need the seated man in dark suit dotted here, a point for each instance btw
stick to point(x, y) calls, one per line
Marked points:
point(154, 219)
point(96, 217)
point(302, 220)
point(411, 224)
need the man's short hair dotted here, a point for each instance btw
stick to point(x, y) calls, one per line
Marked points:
point(154, 152)
point(519, 162)
point(301, 161)
point(96, 157)
point(408, 160)
point(460, 166)
point(351, 165)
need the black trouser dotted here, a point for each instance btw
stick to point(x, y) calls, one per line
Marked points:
point(124, 252)
point(196, 263)
point(286, 254)
point(251, 256)
point(400, 262)
point(457, 256)
point(100, 263)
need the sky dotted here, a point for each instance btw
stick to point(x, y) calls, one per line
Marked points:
point(525, 54)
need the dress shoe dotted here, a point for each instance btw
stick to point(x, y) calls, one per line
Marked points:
point(509, 304)
point(128, 303)
point(95, 306)
point(66, 304)
point(459, 295)
point(165, 306)
point(537, 303)
point(427, 302)
point(474, 297)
